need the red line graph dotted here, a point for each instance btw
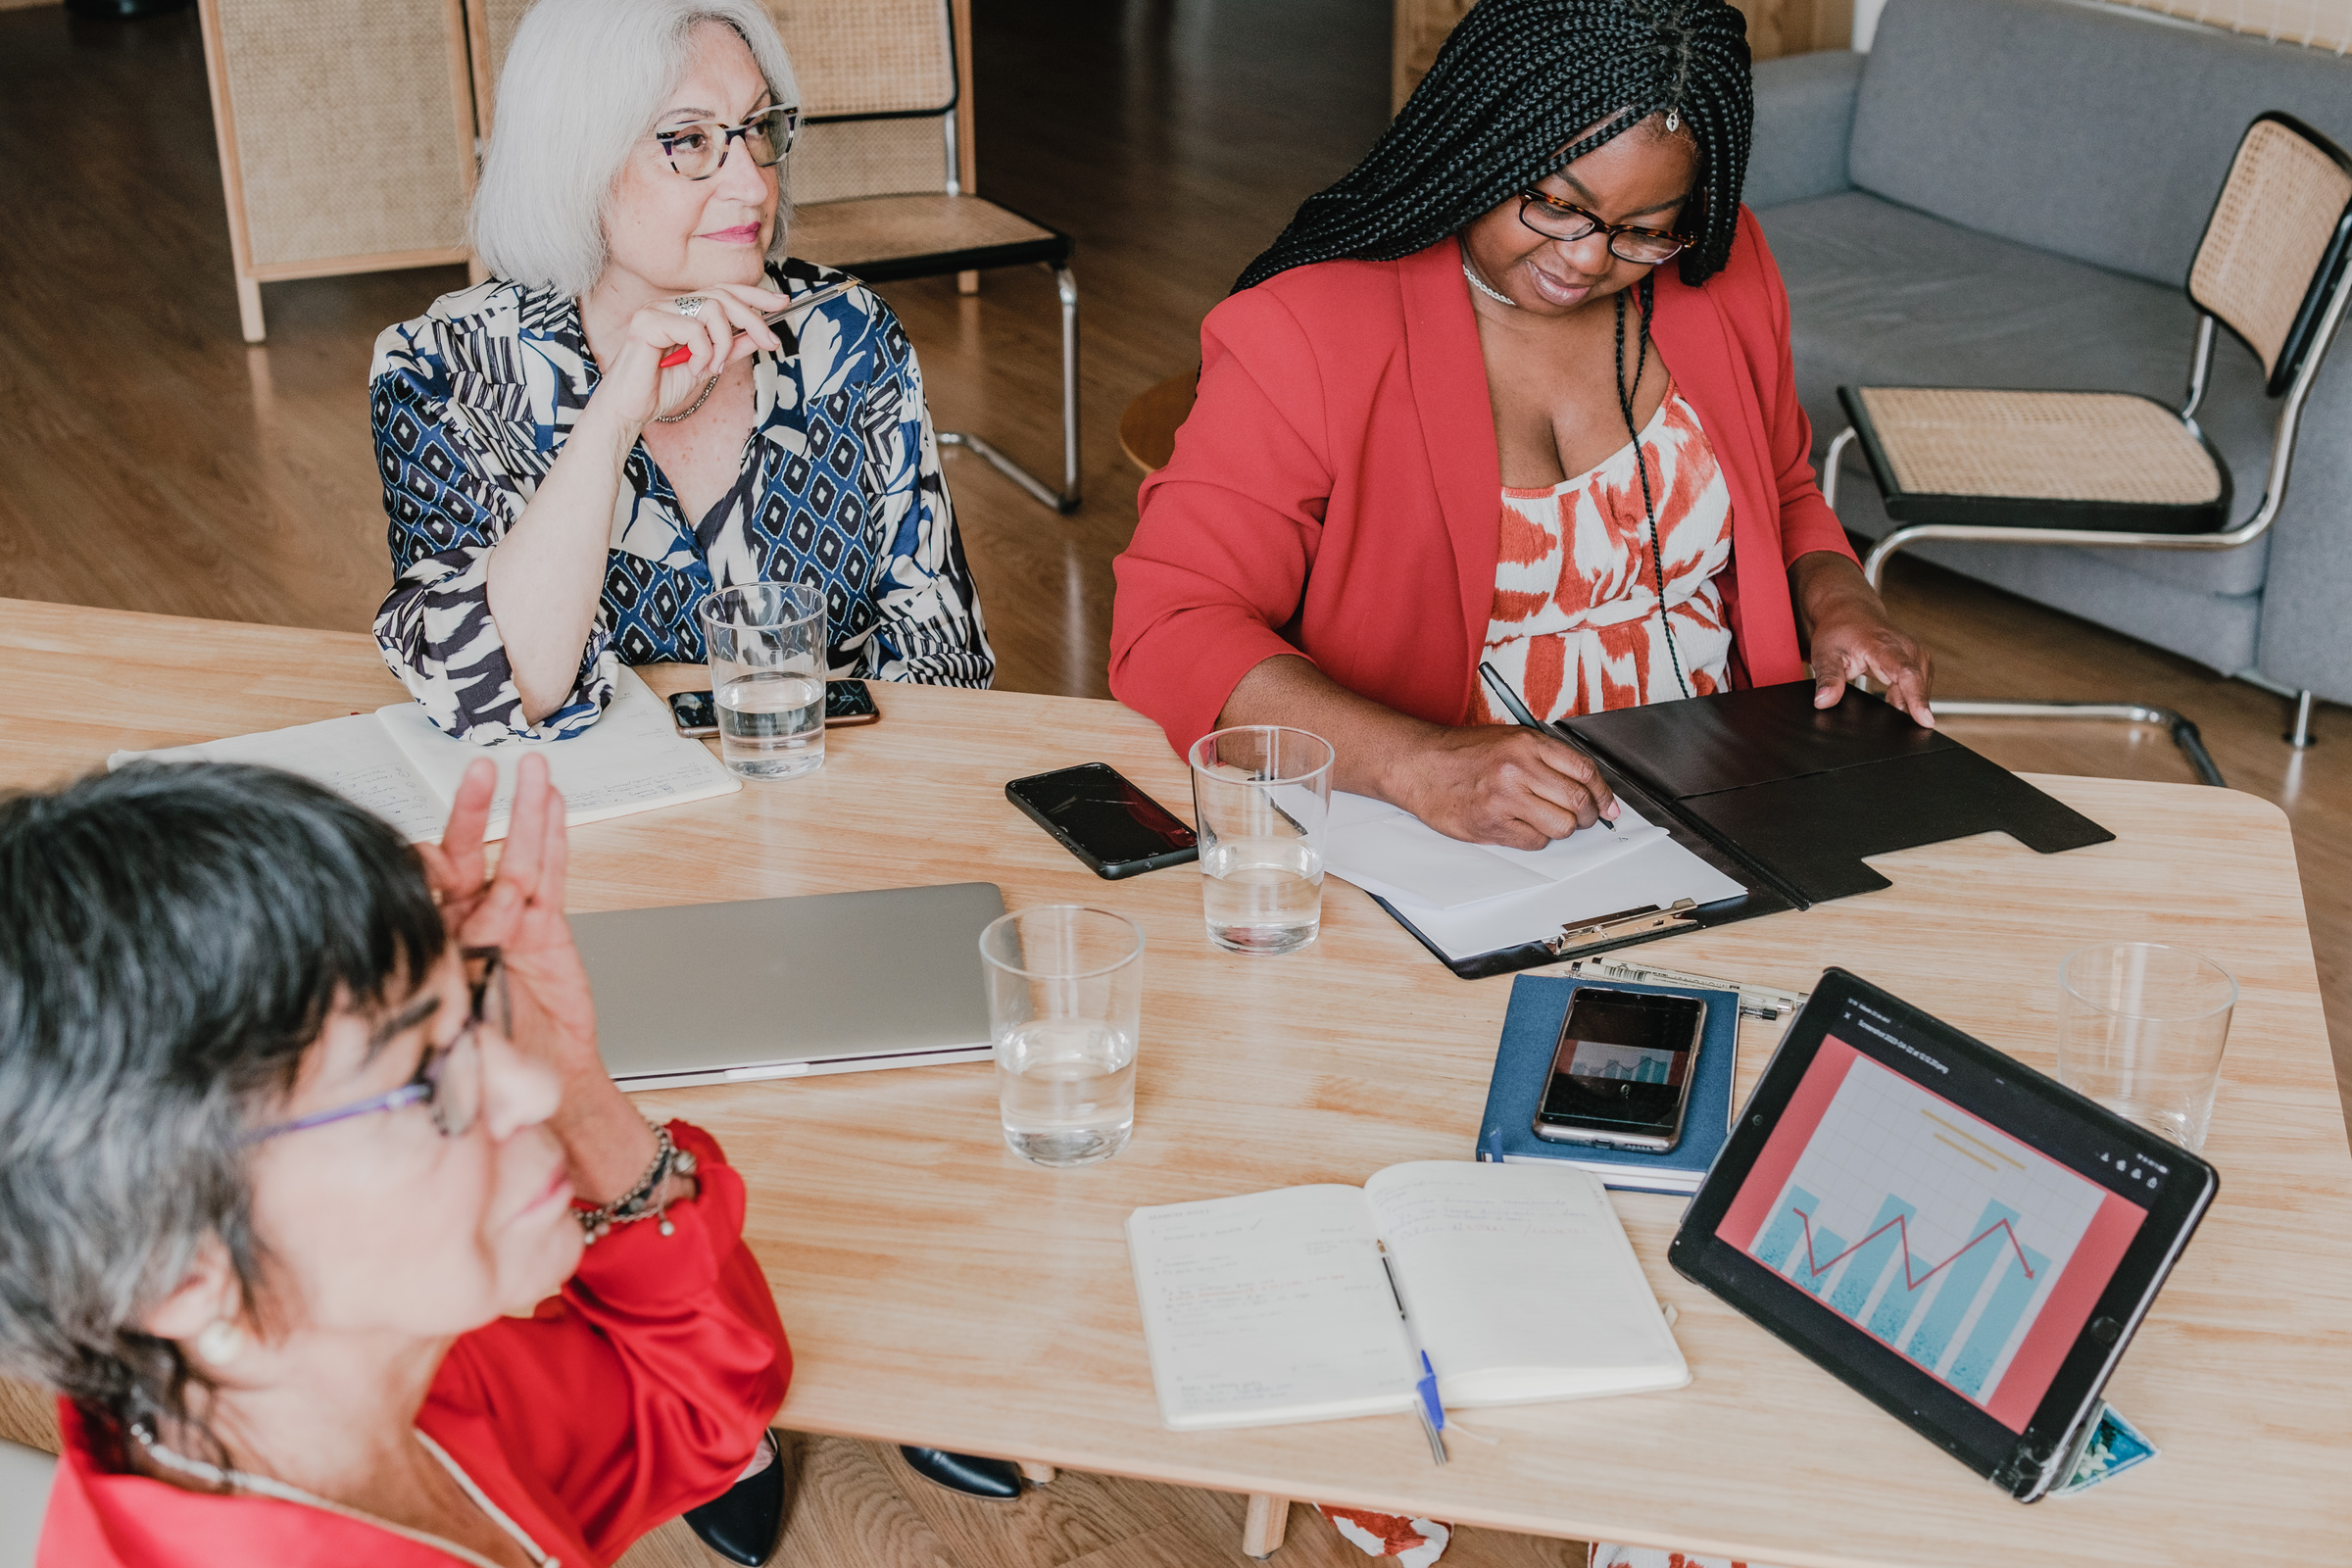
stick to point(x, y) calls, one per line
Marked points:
point(1903, 1238)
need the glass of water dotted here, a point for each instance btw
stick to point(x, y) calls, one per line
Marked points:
point(2141, 1030)
point(1261, 801)
point(1065, 993)
point(767, 643)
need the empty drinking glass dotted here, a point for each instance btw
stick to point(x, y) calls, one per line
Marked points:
point(2141, 1030)
point(1262, 802)
point(766, 644)
point(1065, 988)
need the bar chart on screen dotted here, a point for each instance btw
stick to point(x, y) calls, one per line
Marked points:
point(1641, 1065)
point(1941, 1234)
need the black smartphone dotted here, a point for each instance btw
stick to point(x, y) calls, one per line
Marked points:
point(847, 703)
point(1621, 1074)
point(1105, 820)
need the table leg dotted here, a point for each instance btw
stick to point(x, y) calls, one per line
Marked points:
point(1037, 1475)
point(1262, 1529)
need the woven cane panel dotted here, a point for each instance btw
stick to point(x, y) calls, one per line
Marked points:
point(498, 19)
point(834, 162)
point(2277, 209)
point(2038, 446)
point(347, 137)
point(845, 233)
point(868, 57)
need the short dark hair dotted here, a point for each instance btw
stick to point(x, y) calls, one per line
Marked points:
point(1520, 88)
point(172, 938)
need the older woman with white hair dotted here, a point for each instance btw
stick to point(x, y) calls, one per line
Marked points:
point(559, 501)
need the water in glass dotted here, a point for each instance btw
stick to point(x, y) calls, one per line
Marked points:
point(1066, 1087)
point(771, 725)
point(1263, 895)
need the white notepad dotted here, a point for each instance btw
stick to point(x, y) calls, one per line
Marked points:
point(395, 764)
point(1274, 1307)
point(1473, 898)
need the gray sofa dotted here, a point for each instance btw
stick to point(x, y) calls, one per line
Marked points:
point(2007, 193)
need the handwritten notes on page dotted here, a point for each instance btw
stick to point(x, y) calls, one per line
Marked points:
point(1269, 1309)
point(395, 764)
point(353, 756)
point(631, 760)
point(1525, 1276)
point(1273, 1308)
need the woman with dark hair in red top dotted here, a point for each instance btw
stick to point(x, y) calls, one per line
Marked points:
point(317, 1203)
point(1460, 413)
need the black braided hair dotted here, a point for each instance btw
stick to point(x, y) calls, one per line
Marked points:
point(1504, 106)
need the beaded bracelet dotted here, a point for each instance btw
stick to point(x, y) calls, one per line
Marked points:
point(643, 1200)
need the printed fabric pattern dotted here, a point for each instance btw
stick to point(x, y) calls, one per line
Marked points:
point(1575, 625)
point(840, 487)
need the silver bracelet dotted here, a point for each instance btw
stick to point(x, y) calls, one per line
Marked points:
point(645, 1200)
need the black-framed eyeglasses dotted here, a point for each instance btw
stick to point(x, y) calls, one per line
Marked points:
point(697, 150)
point(1555, 218)
point(449, 1080)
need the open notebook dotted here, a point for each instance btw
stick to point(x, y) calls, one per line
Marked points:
point(1273, 1308)
point(395, 764)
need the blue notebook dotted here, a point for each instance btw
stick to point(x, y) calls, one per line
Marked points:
point(1531, 1032)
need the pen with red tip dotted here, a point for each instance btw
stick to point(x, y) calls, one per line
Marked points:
point(831, 291)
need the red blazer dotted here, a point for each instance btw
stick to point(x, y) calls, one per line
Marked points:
point(635, 1395)
point(1335, 490)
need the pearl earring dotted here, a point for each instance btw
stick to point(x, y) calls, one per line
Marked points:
point(219, 1341)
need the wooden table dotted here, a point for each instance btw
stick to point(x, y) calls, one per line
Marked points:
point(938, 1291)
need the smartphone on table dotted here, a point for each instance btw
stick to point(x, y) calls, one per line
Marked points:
point(1621, 1074)
point(1096, 813)
point(847, 703)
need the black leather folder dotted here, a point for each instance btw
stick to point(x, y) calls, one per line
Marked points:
point(1785, 799)
point(1798, 796)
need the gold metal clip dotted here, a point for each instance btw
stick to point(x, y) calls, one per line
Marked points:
point(1624, 923)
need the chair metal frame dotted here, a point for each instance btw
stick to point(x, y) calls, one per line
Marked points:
point(1054, 255)
point(2306, 346)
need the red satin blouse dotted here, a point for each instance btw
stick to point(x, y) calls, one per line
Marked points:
point(636, 1393)
point(1333, 493)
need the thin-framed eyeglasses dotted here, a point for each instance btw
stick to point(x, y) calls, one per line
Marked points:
point(449, 1080)
point(699, 149)
point(1555, 218)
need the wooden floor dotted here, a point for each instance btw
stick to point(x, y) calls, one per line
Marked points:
point(150, 460)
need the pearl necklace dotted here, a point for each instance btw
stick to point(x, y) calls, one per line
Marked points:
point(1488, 289)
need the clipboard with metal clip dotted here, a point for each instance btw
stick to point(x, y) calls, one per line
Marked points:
point(1588, 935)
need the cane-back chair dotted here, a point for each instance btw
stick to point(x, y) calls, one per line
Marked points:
point(2110, 470)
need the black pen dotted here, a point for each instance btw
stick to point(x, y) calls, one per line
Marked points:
point(1510, 700)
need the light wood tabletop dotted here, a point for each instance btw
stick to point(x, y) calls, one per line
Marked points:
point(939, 1291)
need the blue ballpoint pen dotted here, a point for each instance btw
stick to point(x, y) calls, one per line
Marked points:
point(1425, 1388)
point(1510, 698)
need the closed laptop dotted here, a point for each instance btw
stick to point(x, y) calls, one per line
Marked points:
point(777, 988)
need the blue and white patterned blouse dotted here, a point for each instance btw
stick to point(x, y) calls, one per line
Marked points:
point(840, 488)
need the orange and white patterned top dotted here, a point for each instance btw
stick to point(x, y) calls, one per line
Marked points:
point(1575, 626)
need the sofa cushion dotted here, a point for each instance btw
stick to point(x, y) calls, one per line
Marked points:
point(1804, 120)
point(1882, 295)
point(2099, 134)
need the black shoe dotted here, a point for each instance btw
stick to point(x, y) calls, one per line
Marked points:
point(743, 1523)
point(996, 1479)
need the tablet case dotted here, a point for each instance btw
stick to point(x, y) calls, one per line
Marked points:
point(1531, 1034)
point(1785, 799)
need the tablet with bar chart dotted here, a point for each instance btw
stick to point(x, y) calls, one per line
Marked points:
point(1966, 1241)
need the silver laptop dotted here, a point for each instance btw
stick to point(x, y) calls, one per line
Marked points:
point(778, 988)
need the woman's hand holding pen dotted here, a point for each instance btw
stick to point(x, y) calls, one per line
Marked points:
point(1489, 785)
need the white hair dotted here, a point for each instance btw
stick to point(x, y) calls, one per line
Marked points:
point(583, 80)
